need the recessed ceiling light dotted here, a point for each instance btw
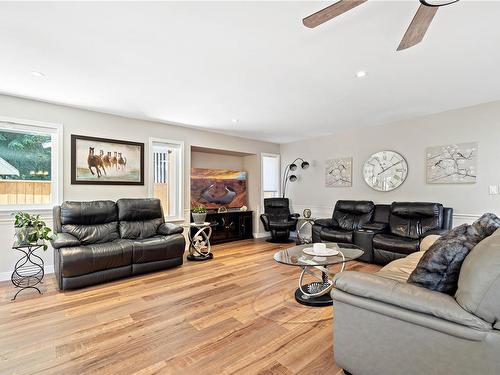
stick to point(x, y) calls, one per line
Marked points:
point(38, 74)
point(235, 120)
point(361, 74)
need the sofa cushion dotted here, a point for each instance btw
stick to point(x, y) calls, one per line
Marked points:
point(158, 248)
point(88, 213)
point(401, 269)
point(352, 215)
point(81, 260)
point(395, 244)
point(479, 281)
point(90, 222)
point(138, 209)
point(439, 268)
point(140, 229)
point(336, 235)
point(413, 219)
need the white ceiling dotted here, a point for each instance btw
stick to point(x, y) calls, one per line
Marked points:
point(203, 64)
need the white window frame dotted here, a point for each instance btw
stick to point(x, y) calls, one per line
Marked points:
point(262, 155)
point(180, 173)
point(56, 160)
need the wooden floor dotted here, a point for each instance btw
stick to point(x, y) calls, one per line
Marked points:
point(233, 315)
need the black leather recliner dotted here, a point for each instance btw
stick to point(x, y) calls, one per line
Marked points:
point(348, 216)
point(277, 219)
point(100, 241)
point(409, 223)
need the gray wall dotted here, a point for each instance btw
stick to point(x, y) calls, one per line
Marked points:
point(410, 138)
point(77, 121)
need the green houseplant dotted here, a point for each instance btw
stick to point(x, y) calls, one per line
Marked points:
point(30, 229)
point(199, 214)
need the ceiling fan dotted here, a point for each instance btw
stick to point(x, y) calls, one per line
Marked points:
point(415, 32)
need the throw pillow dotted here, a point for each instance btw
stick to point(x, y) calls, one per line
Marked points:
point(439, 267)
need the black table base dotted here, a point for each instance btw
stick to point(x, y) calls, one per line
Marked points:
point(200, 258)
point(29, 270)
point(321, 301)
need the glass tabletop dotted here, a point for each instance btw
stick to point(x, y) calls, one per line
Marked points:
point(294, 256)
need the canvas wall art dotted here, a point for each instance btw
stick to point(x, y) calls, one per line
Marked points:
point(100, 161)
point(452, 164)
point(214, 188)
point(338, 172)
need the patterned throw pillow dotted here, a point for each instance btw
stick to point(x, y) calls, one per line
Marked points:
point(439, 267)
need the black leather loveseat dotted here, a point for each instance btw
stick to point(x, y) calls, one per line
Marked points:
point(102, 240)
point(384, 232)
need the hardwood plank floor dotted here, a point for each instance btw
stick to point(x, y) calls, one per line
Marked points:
point(233, 315)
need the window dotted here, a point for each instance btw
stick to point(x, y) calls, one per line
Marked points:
point(166, 181)
point(30, 177)
point(270, 175)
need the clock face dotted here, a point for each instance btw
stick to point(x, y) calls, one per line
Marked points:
point(385, 170)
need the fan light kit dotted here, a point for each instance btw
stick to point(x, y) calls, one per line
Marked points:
point(414, 34)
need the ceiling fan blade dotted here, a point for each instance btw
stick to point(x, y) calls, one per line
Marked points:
point(418, 27)
point(330, 12)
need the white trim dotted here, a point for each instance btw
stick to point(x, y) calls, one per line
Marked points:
point(180, 177)
point(4, 276)
point(261, 235)
point(57, 160)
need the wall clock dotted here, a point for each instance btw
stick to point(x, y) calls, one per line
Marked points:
point(385, 170)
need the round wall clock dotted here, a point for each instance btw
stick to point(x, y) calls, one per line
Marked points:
point(385, 170)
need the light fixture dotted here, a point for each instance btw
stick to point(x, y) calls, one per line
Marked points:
point(235, 120)
point(361, 74)
point(287, 177)
point(38, 74)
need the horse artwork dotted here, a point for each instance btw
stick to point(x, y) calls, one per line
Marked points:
point(215, 188)
point(118, 162)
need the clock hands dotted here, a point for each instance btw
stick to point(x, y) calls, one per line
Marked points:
point(385, 169)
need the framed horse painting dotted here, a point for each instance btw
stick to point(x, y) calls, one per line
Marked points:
point(101, 161)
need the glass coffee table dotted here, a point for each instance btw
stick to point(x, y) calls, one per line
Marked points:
point(317, 293)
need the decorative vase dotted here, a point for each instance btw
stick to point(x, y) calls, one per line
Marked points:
point(199, 218)
point(22, 235)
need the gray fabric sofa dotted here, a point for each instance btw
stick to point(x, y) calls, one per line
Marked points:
point(100, 241)
point(384, 325)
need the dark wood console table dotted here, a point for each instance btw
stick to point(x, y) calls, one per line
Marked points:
point(229, 226)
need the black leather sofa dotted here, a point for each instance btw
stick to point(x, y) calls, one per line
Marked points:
point(386, 232)
point(100, 241)
point(277, 219)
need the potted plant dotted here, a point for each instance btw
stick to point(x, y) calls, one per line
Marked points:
point(199, 214)
point(30, 229)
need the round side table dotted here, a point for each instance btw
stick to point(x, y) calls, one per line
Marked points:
point(305, 221)
point(199, 243)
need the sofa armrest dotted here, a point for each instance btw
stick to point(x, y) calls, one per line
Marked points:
point(64, 240)
point(264, 218)
point(167, 229)
point(439, 232)
point(324, 222)
point(408, 297)
point(293, 216)
point(375, 227)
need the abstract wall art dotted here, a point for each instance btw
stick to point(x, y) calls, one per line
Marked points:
point(338, 172)
point(452, 164)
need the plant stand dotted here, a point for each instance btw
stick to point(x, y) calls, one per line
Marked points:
point(29, 270)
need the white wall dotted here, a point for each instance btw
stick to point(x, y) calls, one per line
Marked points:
point(83, 122)
point(211, 160)
point(410, 138)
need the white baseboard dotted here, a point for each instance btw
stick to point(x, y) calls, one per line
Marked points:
point(261, 235)
point(6, 275)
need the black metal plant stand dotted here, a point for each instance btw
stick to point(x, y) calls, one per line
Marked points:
point(29, 270)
